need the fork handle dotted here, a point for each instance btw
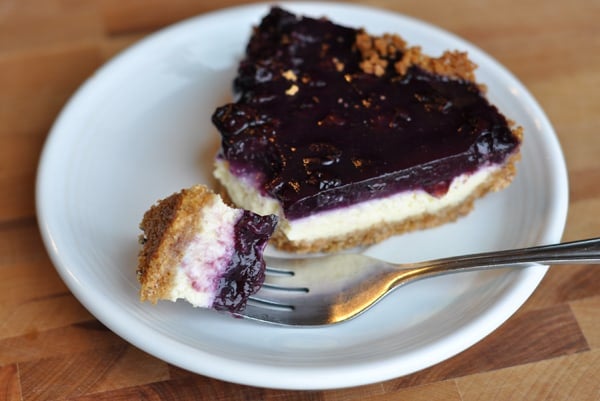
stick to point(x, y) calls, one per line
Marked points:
point(583, 251)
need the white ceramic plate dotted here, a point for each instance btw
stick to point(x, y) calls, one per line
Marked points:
point(140, 129)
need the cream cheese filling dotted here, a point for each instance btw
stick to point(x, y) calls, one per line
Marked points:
point(342, 221)
point(206, 256)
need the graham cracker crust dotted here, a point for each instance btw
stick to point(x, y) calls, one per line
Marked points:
point(168, 226)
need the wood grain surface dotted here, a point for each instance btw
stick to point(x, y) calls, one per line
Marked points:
point(51, 348)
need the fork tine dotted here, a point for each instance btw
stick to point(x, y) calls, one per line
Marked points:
point(285, 282)
point(277, 306)
point(278, 295)
point(269, 315)
point(286, 316)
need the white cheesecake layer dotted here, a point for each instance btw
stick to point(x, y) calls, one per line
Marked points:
point(341, 221)
point(206, 256)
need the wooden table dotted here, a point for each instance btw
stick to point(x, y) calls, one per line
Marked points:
point(51, 348)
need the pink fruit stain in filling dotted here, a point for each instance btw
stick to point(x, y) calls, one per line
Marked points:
point(208, 260)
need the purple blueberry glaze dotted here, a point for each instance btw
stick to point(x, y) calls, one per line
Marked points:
point(346, 137)
point(245, 273)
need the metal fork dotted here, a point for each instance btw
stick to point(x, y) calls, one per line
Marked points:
point(315, 291)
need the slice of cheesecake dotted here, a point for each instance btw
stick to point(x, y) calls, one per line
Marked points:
point(352, 138)
point(195, 247)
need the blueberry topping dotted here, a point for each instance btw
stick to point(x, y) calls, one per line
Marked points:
point(322, 133)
